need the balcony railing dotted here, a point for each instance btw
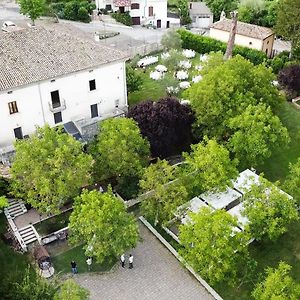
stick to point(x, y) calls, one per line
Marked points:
point(56, 107)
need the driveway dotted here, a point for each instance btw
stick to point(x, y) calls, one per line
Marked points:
point(156, 275)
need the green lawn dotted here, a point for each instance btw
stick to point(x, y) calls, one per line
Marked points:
point(12, 265)
point(286, 248)
point(62, 262)
point(277, 166)
point(53, 224)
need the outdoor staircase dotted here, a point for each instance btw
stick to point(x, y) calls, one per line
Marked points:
point(28, 234)
point(15, 208)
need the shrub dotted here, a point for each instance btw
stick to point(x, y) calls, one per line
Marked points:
point(133, 80)
point(83, 15)
point(203, 44)
point(71, 10)
point(123, 18)
point(279, 61)
point(289, 78)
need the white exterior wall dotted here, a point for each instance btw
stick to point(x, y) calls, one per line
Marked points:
point(33, 100)
point(240, 40)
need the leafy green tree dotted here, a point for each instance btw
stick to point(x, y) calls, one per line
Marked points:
point(256, 132)
point(100, 221)
point(171, 40)
point(71, 290)
point(213, 246)
point(226, 90)
point(49, 168)
point(292, 181)
point(133, 80)
point(217, 6)
point(278, 285)
point(120, 150)
point(171, 62)
point(210, 166)
point(83, 15)
point(184, 12)
point(288, 23)
point(32, 8)
point(34, 287)
point(166, 194)
point(269, 211)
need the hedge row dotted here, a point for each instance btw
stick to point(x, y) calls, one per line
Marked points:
point(203, 44)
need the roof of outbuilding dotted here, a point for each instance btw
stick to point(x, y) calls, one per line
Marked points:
point(250, 30)
point(38, 53)
point(200, 8)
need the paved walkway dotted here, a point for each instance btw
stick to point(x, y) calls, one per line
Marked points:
point(156, 275)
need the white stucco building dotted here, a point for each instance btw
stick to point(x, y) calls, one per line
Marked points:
point(247, 35)
point(49, 76)
point(201, 15)
point(143, 12)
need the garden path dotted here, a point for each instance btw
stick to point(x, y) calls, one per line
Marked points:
point(156, 275)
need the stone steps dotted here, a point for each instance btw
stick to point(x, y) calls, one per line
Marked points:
point(28, 234)
point(15, 208)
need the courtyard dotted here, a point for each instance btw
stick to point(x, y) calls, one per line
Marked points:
point(157, 274)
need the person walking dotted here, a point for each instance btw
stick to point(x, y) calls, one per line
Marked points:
point(122, 258)
point(130, 261)
point(74, 267)
point(89, 263)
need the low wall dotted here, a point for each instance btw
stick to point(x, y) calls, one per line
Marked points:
point(175, 253)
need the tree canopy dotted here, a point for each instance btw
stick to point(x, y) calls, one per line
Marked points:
point(100, 221)
point(255, 133)
point(165, 123)
point(289, 79)
point(213, 246)
point(32, 8)
point(292, 181)
point(269, 211)
point(167, 192)
point(71, 290)
point(119, 150)
point(278, 284)
point(210, 166)
point(49, 168)
point(217, 6)
point(171, 40)
point(288, 23)
point(226, 90)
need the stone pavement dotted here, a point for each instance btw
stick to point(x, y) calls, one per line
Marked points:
point(157, 274)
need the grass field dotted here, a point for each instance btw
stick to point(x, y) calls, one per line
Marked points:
point(62, 262)
point(277, 166)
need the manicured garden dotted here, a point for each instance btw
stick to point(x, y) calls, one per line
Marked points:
point(62, 262)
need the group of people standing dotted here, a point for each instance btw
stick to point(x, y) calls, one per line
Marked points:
point(89, 263)
point(130, 261)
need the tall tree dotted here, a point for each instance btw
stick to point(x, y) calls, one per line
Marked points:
point(226, 90)
point(213, 246)
point(166, 194)
point(49, 168)
point(71, 290)
point(256, 132)
point(288, 23)
point(292, 181)
point(120, 150)
point(210, 166)
point(101, 222)
point(32, 8)
point(183, 12)
point(269, 211)
point(217, 6)
point(171, 40)
point(278, 284)
point(166, 124)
